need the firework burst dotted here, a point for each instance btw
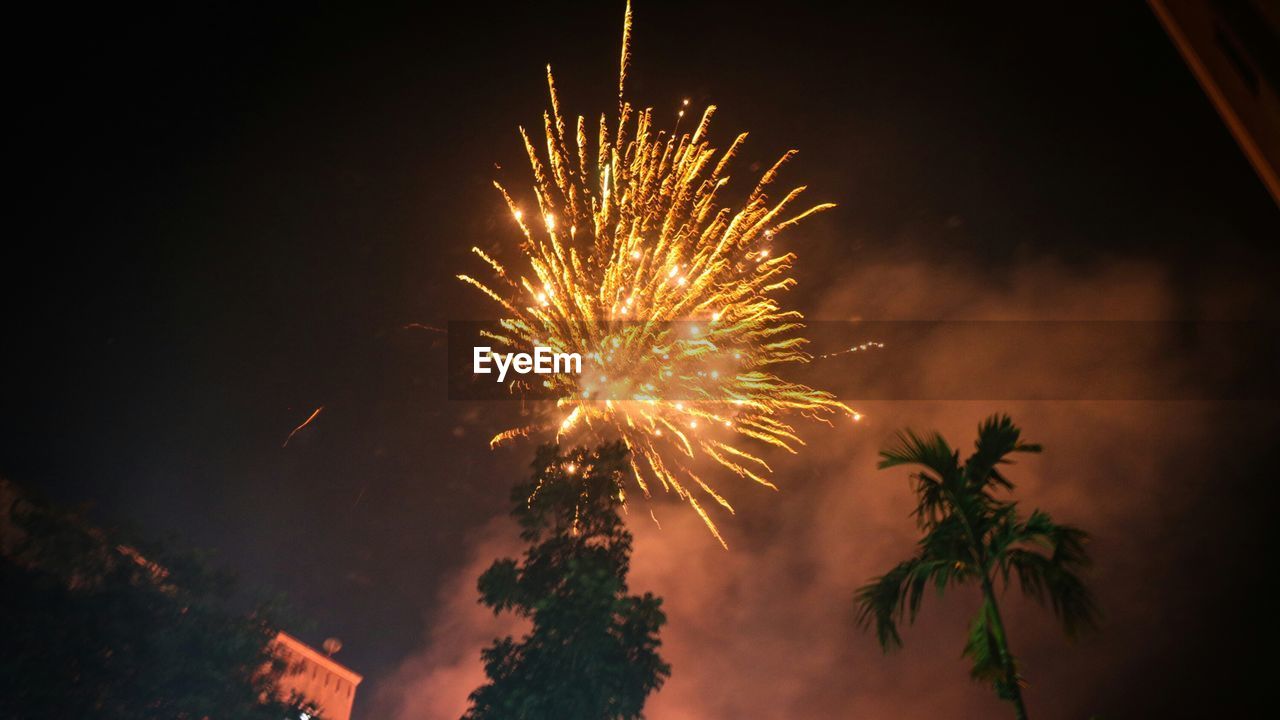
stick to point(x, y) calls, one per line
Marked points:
point(669, 295)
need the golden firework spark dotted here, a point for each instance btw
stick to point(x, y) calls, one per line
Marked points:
point(669, 295)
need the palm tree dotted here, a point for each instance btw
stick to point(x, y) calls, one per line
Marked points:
point(972, 536)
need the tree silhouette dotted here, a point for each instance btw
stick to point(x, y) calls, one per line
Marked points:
point(592, 652)
point(971, 536)
point(99, 622)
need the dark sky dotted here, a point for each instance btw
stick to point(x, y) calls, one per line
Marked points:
point(224, 218)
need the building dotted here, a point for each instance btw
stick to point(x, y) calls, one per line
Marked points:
point(317, 677)
point(1233, 49)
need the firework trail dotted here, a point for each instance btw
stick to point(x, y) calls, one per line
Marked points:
point(668, 294)
point(860, 348)
point(305, 423)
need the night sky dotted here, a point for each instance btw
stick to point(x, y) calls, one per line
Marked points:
point(225, 218)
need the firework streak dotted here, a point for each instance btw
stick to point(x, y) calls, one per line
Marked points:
point(670, 296)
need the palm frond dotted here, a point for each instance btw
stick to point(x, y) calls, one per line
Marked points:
point(942, 471)
point(897, 595)
point(1001, 528)
point(931, 452)
point(931, 501)
point(983, 648)
point(881, 601)
point(1046, 557)
point(998, 437)
point(948, 541)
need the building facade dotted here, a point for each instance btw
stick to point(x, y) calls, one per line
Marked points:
point(317, 677)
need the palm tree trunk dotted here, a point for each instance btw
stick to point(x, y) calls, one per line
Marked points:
point(989, 593)
point(1006, 658)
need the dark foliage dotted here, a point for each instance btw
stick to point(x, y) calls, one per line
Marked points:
point(971, 535)
point(592, 652)
point(94, 626)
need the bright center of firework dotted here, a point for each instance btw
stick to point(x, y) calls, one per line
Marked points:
point(670, 296)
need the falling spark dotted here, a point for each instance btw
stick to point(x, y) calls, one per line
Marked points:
point(658, 246)
point(304, 424)
point(420, 326)
point(864, 347)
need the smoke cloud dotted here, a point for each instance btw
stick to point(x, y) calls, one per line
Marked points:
point(765, 629)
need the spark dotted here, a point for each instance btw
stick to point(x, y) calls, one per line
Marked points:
point(304, 424)
point(659, 243)
point(420, 326)
point(864, 347)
